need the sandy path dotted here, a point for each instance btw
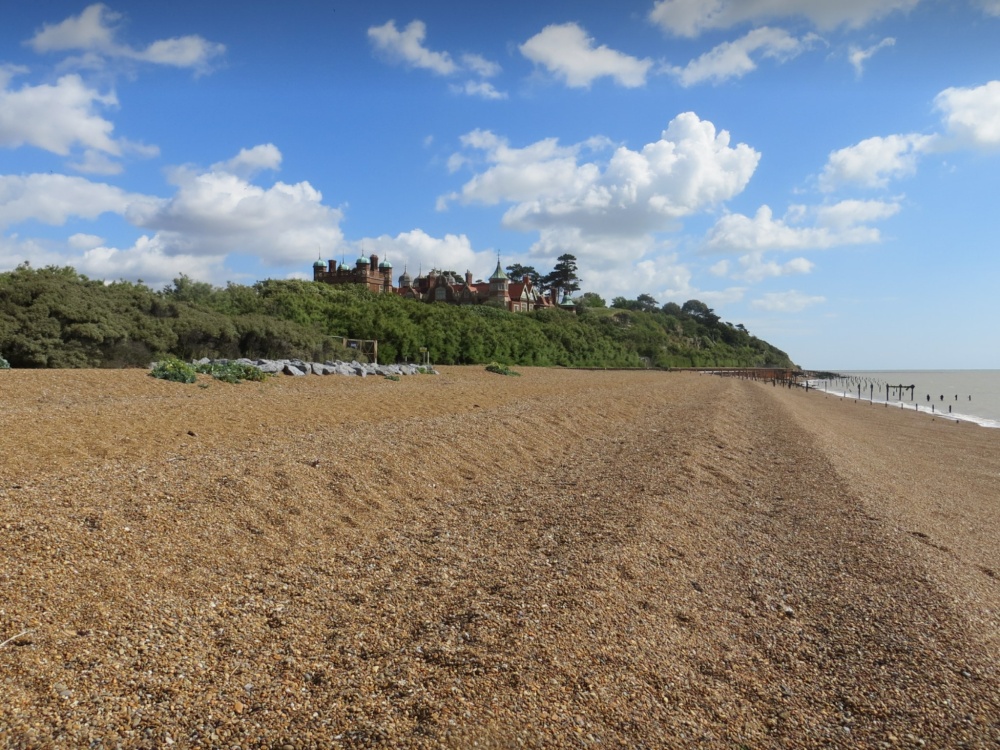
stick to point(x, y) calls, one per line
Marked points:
point(557, 560)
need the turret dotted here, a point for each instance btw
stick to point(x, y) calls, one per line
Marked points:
point(499, 286)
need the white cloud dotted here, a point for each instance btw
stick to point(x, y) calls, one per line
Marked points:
point(213, 215)
point(874, 161)
point(858, 56)
point(691, 168)
point(54, 198)
point(972, 115)
point(57, 117)
point(407, 47)
point(845, 216)
point(148, 260)
point(719, 269)
point(218, 211)
point(14, 251)
point(94, 33)
point(615, 265)
point(566, 51)
point(93, 29)
point(754, 268)
point(81, 241)
point(786, 302)
point(692, 17)
point(482, 89)
point(88, 255)
point(542, 169)
point(416, 250)
point(844, 223)
point(606, 213)
point(734, 59)
point(250, 161)
point(94, 162)
point(480, 65)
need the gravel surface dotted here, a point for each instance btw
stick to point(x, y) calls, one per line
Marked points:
point(565, 559)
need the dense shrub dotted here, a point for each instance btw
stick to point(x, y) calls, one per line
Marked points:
point(175, 370)
point(232, 372)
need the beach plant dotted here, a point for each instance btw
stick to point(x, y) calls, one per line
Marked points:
point(4, 364)
point(174, 370)
point(501, 369)
point(392, 377)
point(232, 372)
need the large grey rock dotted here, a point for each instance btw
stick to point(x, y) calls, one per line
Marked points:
point(291, 369)
point(270, 366)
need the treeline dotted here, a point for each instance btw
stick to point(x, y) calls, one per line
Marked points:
point(55, 317)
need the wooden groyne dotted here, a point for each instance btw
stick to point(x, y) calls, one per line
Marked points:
point(768, 374)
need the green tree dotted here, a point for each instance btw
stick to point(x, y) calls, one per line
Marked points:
point(562, 278)
point(591, 299)
point(186, 289)
point(646, 303)
point(517, 272)
point(700, 311)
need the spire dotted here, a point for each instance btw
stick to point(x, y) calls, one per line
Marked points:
point(498, 274)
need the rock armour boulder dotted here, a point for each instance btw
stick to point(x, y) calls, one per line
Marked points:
point(300, 368)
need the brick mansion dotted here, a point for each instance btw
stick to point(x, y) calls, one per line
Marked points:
point(437, 286)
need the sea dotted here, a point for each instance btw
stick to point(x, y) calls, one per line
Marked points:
point(966, 395)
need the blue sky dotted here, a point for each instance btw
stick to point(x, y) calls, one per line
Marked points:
point(824, 173)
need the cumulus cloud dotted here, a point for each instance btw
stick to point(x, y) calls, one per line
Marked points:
point(217, 211)
point(753, 268)
point(81, 241)
point(690, 18)
point(843, 223)
point(874, 161)
point(972, 115)
point(567, 52)
point(407, 48)
point(480, 65)
point(736, 59)
point(250, 161)
point(416, 250)
point(859, 56)
point(213, 214)
point(94, 32)
point(149, 260)
point(971, 119)
point(482, 89)
point(786, 302)
point(64, 118)
point(691, 168)
point(57, 117)
point(607, 212)
point(54, 198)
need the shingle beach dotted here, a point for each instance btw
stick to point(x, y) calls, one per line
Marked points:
point(564, 559)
